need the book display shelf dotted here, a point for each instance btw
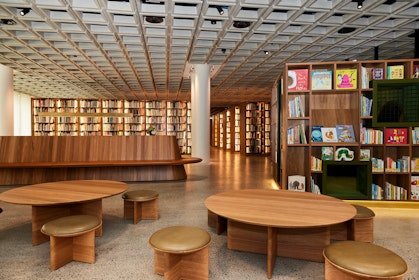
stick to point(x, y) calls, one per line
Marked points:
point(258, 128)
point(331, 112)
point(83, 117)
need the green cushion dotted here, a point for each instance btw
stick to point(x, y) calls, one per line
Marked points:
point(140, 195)
point(363, 212)
point(365, 258)
point(71, 225)
point(180, 239)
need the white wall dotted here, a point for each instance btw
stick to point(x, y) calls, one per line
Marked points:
point(22, 114)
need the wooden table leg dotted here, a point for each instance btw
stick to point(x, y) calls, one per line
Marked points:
point(44, 214)
point(271, 250)
point(220, 223)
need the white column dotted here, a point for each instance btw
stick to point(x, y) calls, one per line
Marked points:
point(6, 101)
point(200, 105)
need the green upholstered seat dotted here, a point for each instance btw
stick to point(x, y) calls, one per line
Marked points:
point(140, 195)
point(179, 239)
point(365, 258)
point(71, 225)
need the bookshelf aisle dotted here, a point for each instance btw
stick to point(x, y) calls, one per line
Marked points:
point(333, 114)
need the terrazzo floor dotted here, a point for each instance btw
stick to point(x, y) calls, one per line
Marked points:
point(123, 251)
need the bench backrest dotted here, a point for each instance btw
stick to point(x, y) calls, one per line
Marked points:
point(87, 148)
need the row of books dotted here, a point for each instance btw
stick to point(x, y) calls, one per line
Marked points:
point(340, 133)
point(316, 164)
point(377, 164)
point(298, 183)
point(371, 136)
point(366, 106)
point(393, 192)
point(296, 107)
point(399, 165)
point(344, 78)
point(296, 135)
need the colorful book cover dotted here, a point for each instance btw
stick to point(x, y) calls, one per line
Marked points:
point(414, 188)
point(345, 133)
point(396, 135)
point(316, 133)
point(329, 134)
point(395, 72)
point(346, 79)
point(297, 183)
point(298, 79)
point(364, 154)
point(327, 153)
point(321, 79)
point(377, 74)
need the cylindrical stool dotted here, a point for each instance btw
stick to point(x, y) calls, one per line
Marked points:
point(359, 228)
point(354, 260)
point(181, 252)
point(141, 204)
point(71, 238)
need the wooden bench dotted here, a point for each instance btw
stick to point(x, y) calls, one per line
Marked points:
point(39, 159)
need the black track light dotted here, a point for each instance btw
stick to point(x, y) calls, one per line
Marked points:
point(266, 52)
point(360, 4)
point(220, 10)
point(213, 22)
point(24, 11)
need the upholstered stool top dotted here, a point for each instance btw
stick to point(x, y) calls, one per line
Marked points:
point(180, 239)
point(140, 195)
point(71, 225)
point(365, 258)
point(363, 212)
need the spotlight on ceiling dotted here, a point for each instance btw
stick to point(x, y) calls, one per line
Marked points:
point(154, 19)
point(213, 22)
point(266, 52)
point(223, 50)
point(220, 10)
point(7, 21)
point(241, 24)
point(360, 4)
point(24, 11)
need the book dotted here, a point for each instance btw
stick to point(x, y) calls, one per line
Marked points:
point(414, 188)
point(298, 79)
point(345, 133)
point(396, 135)
point(329, 134)
point(297, 183)
point(395, 72)
point(346, 79)
point(327, 153)
point(365, 77)
point(321, 79)
point(316, 133)
point(377, 73)
point(364, 154)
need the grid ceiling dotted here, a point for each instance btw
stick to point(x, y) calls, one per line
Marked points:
point(106, 48)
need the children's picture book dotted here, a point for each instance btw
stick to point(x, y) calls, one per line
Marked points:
point(329, 134)
point(297, 183)
point(298, 79)
point(346, 79)
point(321, 79)
point(345, 133)
point(364, 154)
point(377, 74)
point(327, 153)
point(395, 72)
point(414, 188)
point(396, 135)
point(316, 133)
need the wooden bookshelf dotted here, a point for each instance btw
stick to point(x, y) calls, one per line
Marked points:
point(345, 100)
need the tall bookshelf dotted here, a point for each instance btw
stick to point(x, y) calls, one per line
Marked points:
point(84, 117)
point(304, 107)
point(257, 133)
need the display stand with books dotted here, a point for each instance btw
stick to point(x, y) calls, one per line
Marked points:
point(338, 116)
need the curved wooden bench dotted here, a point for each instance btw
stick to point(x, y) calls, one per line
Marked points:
point(71, 238)
point(141, 204)
point(181, 252)
point(355, 260)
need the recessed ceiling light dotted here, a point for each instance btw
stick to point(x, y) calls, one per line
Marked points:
point(241, 24)
point(154, 19)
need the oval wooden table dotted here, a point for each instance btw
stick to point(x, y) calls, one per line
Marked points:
point(58, 199)
point(277, 222)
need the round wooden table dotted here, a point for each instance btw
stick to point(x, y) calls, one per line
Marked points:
point(277, 222)
point(58, 199)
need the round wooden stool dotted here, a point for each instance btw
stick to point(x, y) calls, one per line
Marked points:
point(181, 252)
point(71, 238)
point(141, 204)
point(359, 228)
point(353, 260)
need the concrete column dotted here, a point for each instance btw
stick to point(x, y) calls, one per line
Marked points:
point(200, 110)
point(6, 101)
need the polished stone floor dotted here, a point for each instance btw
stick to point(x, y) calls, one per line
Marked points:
point(123, 251)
